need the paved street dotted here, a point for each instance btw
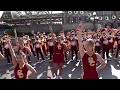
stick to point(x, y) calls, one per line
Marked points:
point(72, 70)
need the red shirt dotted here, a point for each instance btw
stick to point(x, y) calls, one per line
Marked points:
point(58, 53)
point(22, 49)
point(20, 73)
point(105, 40)
point(58, 49)
point(89, 66)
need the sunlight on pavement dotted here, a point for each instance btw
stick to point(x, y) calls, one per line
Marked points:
point(11, 72)
point(36, 63)
point(64, 66)
point(57, 72)
point(69, 75)
point(73, 69)
point(12, 67)
point(71, 60)
point(40, 75)
point(110, 55)
point(78, 64)
point(115, 72)
point(100, 77)
point(105, 58)
point(4, 75)
point(68, 62)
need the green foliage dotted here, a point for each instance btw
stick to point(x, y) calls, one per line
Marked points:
point(19, 34)
point(9, 31)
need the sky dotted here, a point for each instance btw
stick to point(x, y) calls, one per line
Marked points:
point(1, 12)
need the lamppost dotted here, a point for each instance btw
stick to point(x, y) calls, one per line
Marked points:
point(94, 19)
point(114, 20)
point(82, 15)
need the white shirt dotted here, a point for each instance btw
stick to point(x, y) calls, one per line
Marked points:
point(37, 45)
point(6, 46)
point(73, 43)
point(51, 44)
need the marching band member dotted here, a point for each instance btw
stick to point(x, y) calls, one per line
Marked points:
point(104, 41)
point(68, 43)
point(74, 45)
point(43, 44)
point(38, 49)
point(97, 43)
point(7, 51)
point(32, 47)
point(118, 43)
point(1, 45)
point(50, 47)
point(111, 41)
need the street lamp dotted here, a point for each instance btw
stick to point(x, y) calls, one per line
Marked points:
point(82, 15)
point(114, 20)
point(94, 13)
point(94, 18)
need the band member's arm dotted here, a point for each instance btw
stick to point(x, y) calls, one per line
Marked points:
point(52, 34)
point(1, 56)
point(102, 63)
point(81, 49)
point(29, 52)
point(16, 38)
point(33, 71)
point(12, 53)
